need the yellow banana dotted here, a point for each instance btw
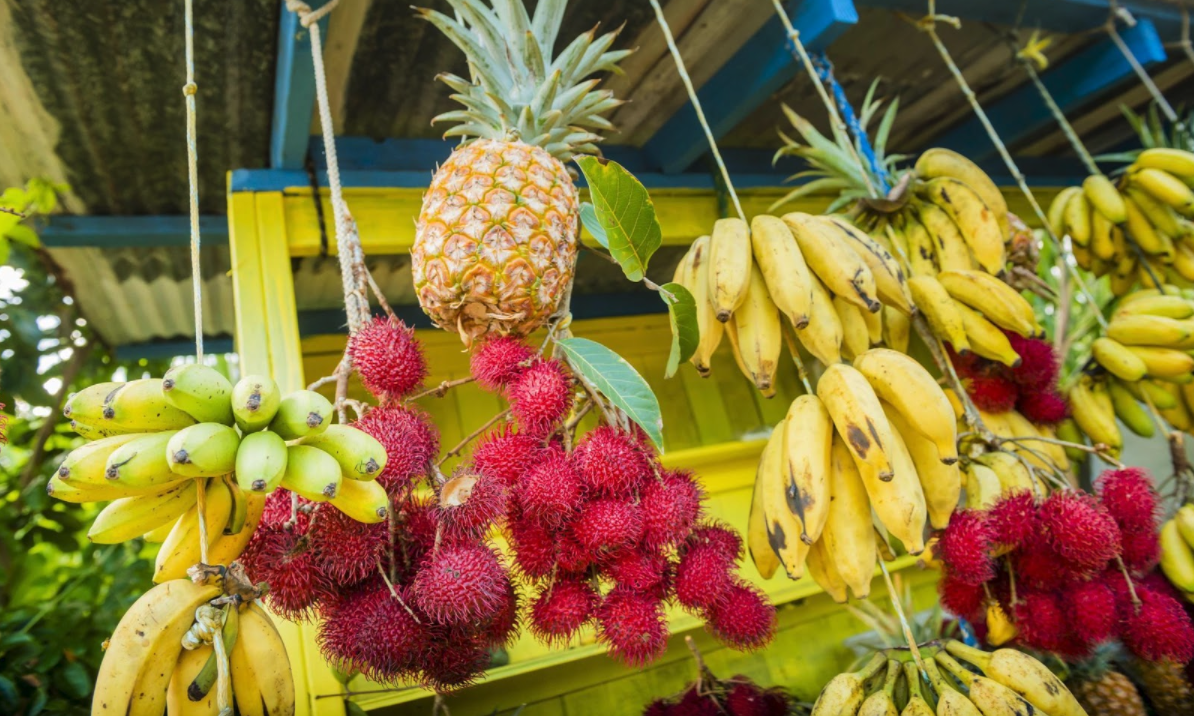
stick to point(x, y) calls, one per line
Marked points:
point(849, 536)
point(360, 455)
point(190, 663)
point(1167, 305)
point(900, 504)
point(200, 391)
point(1117, 359)
point(1183, 260)
point(950, 702)
point(1095, 413)
point(941, 311)
point(941, 162)
point(985, 337)
point(1104, 198)
point(1078, 219)
point(1184, 518)
point(1177, 559)
point(261, 676)
point(1024, 675)
point(1165, 188)
point(882, 702)
point(87, 406)
point(975, 220)
point(1179, 415)
point(782, 524)
point(255, 400)
point(940, 483)
point(823, 335)
point(710, 328)
point(916, 706)
point(1146, 236)
point(1145, 330)
point(824, 572)
point(1177, 162)
point(140, 406)
point(364, 501)
point(1147, 391)
point(858, 416)
point(1000, 629)
point(758, 332)
point(896, 330)
point(983, 488)
point(1057, 209)
point(131, 517)
point(844, 693)
point(843, 271)
point(312, 473)
point(758, 544)
point(807, 438)
point(87, 464)
point(729, 268)
point(142, 463)
point(911, 390)
point(874, 324)
point(1166, 363)
point(181, 551)
point(1013, 474)
point(778, 257)
point(991, 698)
point(921, 249)
point(1102, 239)
point(855, 336)
point(1161, 216)
point(228, 547)
point(1040, 453)
point(949, 246)
point(77, 494)
point(159, 535)
point(999, 303)
point(889, 277)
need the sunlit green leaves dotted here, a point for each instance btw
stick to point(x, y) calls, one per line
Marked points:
point(624, 210)
point(618, 381)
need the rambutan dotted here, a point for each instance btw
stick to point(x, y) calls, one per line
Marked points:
point(745, 698)
point(550, 490)
point(1079, 529)
point(607, 524)
point(572, 556)
point(507, 454)
point(722, 536)
point(470, 503)
point(1043, 407)
point(540, 397)
point(991, 393)
point(1012, 519)
point(1040, 620)
point(279, 508)
point(1159, 629)
point(611, 462)
point(964, 547)
point(744, 619)
point(658, 707)
point(461, 583)
point(1037, 565)
point(451, 662)
point(389, 360)
point(632, 625)
point(959, 598)
point(695, 703)
point(641, 570)
point(410, 439)
point(561, 609)
point(499, 361)
point(534, 548)
point(1141, 551)
point(1129, 497)
point(1091, 610)
point(1038, 362)
point(670, 506)
point(704, 576)
point(347, 551)
point(504, 627)
point(283, 558)
point(369, 631)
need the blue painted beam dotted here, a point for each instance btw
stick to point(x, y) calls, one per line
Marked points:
point(1074, 82)
point(111, 232)
point(172, 348)
point(755, 73)
point(1069, 16)
point(294, 92)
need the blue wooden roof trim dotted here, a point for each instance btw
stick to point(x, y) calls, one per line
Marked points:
point(755, 73)
point(111, 232)
point(1074, 82)
point(172, 348)
point(294, 92)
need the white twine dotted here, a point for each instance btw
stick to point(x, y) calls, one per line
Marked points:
point(188, 91)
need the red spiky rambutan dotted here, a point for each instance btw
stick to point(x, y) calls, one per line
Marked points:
point(534, 548)
point(1129, 497)
point(368, 630)
point(1160, 629)
point(607, 524)
point(470, 503)
point(744, 619)
point(504, 628)
point(695, 703)
point(279, 508)
point(507, 454)
point(1141, 551)
point(658, 707)
point(347, 551)
point(1038, 362)
point(1090, 607)
point(410, 439)
point(460, 583)
point(670, 506)
point(1040, 620)
point(641, 570)
point(703, 576)
point(965, 547)
point(561, 609)
point(283, 559)
point(1079, 529)
point(632, 625)
point(550, 491)
point(720, 535)
point(1037, 565)
point(540, 397)
point(499, 362)
point(961, 599)
point(1043, 407)
point(992, 393)
point(572, 556)
point(611, 462)
point(745, 698)
point(452, 662)
point(1012, 519)
point(389, 360)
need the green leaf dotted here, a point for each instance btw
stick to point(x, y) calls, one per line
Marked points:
point(24, 235)
point(37, 703)
point(624, 209)
point(75, 680)
point(4, 249)
point(352, 708)
point(682, 313)
point(588, 217)
point(618, 381)
point(343, 676)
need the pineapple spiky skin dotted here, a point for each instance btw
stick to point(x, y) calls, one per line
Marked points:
point(495, 245)
point(1108, 695)
point(1165, 686)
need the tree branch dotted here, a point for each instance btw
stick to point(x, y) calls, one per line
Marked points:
point(78, 357)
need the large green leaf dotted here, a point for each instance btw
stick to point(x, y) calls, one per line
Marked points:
point(588, 217)
point(682, 313)
point(23, 234)
point(624, 210)
point(618, 381)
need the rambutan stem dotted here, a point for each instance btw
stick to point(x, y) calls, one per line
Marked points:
point(645, 281)
point(442, 389)
point(1011, 580)
point(377, 293)
point(1131, 586)
point(579, 415)
point(905, 627)
point(471, 437)
point(702, 670)
point(394, 592)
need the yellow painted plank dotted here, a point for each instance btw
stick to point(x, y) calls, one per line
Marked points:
point(252, 338)
point(278, 303)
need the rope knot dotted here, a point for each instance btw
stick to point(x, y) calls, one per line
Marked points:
point(190, 88)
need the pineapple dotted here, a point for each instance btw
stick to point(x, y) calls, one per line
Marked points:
point(1165, 686)
point(495, 243)
point(1101, 689)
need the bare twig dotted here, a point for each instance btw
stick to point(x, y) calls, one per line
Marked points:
point(471, 437)
point(13, 212)
point(442, 389)
point(78, 358)
point(394, 592)
point(646, 281)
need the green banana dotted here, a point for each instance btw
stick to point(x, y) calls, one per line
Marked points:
point(86, 465)
point(206, 678)
point(142, 462)
point(87, 406)
point(312, 473)
point(255, 400)
point(302, 413)
point(360, 455)
point(131, 517)
point(202, 450)
point(260, 462)
point(239, 514)
point(140, 406)
point(201, 392)
point(95, 432)
point(1129, 412)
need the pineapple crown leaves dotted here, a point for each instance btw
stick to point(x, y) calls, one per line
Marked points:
point(1153, 132)
point(519, 90)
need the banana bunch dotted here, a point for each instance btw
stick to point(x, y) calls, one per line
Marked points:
point(156, 442)
point(1143, 364)
point(163, 658)
point(1137, 229)
point(841, 290)
point(878, 437)
point(1008, 682)
point(1177, 550)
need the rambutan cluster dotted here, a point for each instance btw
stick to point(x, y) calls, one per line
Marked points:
point(736, 696)
point(1054, 567)
point(1030, 387)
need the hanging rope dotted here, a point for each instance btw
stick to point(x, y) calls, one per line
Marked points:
point(188, 90)
point(1187, 47)
point(1158, 97)
point(696, 104)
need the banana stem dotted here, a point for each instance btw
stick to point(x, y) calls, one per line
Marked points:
point(794, 349)
point(905, 627)
point(1011, 579)
point(201, 510)
point(973, 419)
point(1066, 128)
